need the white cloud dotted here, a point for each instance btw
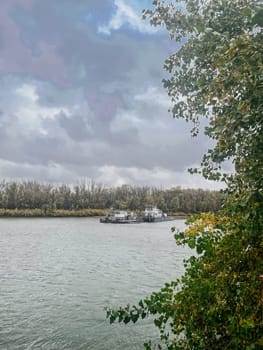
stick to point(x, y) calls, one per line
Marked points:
point(117, 176)
point(125, 14)
point(27, 91)
point(154, 96)
point(30, 113)
point(33, 117)
point(144, 119)
point(125, 120)
point(52, 172)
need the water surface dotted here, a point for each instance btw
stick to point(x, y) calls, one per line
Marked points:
point(57, 275)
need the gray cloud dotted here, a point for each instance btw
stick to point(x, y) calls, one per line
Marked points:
point(76, 103)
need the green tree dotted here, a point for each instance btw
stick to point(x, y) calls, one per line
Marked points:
point(216, 74)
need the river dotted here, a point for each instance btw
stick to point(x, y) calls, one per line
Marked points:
point(58, 274)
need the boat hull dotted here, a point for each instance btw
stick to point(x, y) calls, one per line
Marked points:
point(127, 221)
point(134, 219)
point(152, 219)
point(164, 218)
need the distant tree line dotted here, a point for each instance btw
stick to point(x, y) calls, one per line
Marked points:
point(31, 195)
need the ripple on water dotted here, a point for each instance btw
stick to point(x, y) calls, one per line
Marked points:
point(58, 275)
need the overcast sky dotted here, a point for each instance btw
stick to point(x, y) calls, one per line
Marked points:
point(81, 97)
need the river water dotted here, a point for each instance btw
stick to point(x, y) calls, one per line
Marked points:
point(57, 275)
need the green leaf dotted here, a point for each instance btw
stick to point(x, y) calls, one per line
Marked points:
point(141, 304)
point(258, 18)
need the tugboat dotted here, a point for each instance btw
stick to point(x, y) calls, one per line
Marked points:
point(153, 214)
point(119, 217)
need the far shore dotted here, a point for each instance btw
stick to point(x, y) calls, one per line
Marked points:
point(56, 213)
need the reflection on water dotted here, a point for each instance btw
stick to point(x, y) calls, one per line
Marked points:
point(57, 275)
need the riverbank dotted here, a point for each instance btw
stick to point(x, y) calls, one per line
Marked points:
point(19, 213)
point(51, 213)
